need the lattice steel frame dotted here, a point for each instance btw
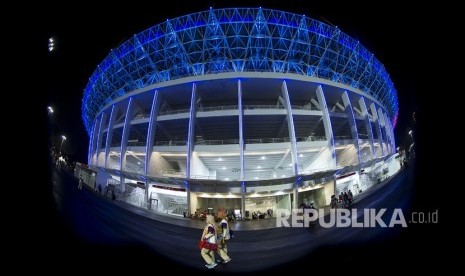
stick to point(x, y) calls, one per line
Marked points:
point(236, 40)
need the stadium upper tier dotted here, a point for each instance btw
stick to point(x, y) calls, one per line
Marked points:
point(236, 40)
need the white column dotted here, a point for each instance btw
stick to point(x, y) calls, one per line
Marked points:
point(381, 125)
point(243, 190)
point(100, 134)
point(111, 123)
point(391, 129)
point(190, 143)
point(241, 145)
point(327, 125)
point(363, 106)
point(241, 128)
point(150, 137)
point(290, 126)
point(124, 140)
point(353, 125)
point(378, 126)
point(94, 140)
point(191, 130)
point(388, 133)
point(89, 152)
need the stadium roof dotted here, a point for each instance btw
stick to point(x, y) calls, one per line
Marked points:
point(236, 40)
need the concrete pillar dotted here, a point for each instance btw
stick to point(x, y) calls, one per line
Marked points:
point(387, 127)
point(381, 126)
point(190, 141)
point(243, 191)
point(124, 140)
point(241, 128)
point(391, 129)
point(327, 125)
point(191, 130)
point(100, 134)
point(241, 145)
point(150, 137)
point(290, 126)
point(188, 192)
point(89, 152)
point(363, 106)
point(111, 123)
point(378, 126)
point(353, 125)
point(94, 140)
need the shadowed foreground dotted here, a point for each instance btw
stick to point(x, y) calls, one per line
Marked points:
point(103, 233)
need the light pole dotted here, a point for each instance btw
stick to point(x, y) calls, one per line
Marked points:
point(63, 138)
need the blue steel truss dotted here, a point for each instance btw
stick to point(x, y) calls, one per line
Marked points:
point(237, 40)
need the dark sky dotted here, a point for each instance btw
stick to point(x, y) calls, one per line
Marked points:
point(85, 34)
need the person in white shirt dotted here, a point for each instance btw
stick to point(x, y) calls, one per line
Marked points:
point(224, 236)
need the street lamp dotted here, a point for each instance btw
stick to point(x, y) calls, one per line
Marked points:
point(50, 110)
point(63, 138)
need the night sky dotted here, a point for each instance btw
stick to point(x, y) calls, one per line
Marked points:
point(85, 37)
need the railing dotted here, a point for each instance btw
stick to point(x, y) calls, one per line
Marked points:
point(311, 138)
point(221, 107)
point(170, 143)
point(267, 140)
point(300, 107)
point(175, 111)
point(262, 106)
point(136, 144)
point(225, 107)
point(218, 142)
point(173, 172)
point(236, 141)
point(141, 116)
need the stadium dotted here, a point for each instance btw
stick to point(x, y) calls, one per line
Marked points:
point(245, 108)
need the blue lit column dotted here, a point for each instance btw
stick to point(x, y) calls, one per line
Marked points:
point(327, 125)
point(363, 106)
point(124, 141)
point(111, 123)
point(94, 139)
point(290, 126)
point(381, 125)
point(241, 144)
point(150, 137)
point(388, 133)
point(190, 142)
point(378, 127)
point(89, 152)
point(100, 134)
point(391, 129)
point(353, 126)
point(387, 127)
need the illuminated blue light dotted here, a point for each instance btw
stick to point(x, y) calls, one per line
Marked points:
point(275, 41)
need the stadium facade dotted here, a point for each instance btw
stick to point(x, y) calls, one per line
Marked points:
point(246, 108)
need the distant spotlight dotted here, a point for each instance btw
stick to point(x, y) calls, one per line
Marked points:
point(51, 44)
point(63, 137)
point(50, 109)
point(410, 132)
